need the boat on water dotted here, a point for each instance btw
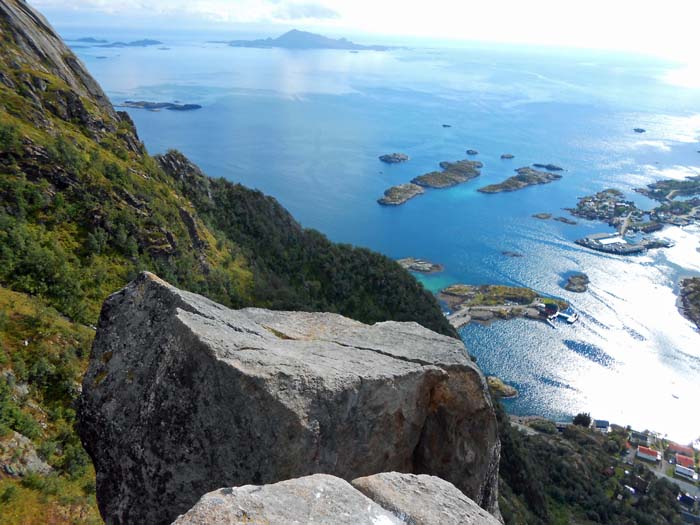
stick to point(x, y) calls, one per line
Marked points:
point(550, 312)
point(569, 315)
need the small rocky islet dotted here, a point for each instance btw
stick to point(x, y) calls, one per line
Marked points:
point(157, 106)
point(394, 158)
point(452, 173)
point(548, 167)
point(525, 177)
point(577, 282)
point(547, 216)
point(413, 264)
point(507, 156)
point(397, 195)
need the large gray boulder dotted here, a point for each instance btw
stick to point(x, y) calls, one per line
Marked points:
point(319, 499)
point(387, 498)
point(183, 396)
point(422, 499)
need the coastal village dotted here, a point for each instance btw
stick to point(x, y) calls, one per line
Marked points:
point(643, 457)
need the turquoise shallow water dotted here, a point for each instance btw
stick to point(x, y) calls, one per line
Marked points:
point(307, 127)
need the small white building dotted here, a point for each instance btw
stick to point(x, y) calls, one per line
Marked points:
point(686, 472)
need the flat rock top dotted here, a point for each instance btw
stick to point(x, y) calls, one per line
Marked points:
point(422, 499)
point(240, 334)
point(273, 341)
point(318, 499)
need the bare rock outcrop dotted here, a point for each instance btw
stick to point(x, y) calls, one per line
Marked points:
point(386, 498)
point(319, 499)
point(18, 457)
point(183, 396)
point(422, 499)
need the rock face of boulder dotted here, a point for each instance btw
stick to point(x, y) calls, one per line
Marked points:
point(183, 396)
point(386, 498)
point(319, 499)
point(422, 499)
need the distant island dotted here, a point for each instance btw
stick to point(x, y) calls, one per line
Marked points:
point(397, 195)
point(452, 173)
point(394, 158)
point(156, 106)
point(135, 43)
point(99, 42)
point(89, 40)
point(525, 177)
point(296, 39)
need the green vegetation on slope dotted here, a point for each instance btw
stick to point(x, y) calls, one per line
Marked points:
point(577, 476)
point(83, 209)
point(300, 269)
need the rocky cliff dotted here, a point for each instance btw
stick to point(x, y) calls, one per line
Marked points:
point(184, 396)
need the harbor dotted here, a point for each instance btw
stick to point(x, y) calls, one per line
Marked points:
point(618, 244)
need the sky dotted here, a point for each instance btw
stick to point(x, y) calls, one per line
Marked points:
point(660, 28)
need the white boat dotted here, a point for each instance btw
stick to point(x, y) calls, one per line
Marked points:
point(569, 315)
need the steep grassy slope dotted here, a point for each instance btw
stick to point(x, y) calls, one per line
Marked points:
point(83, 208)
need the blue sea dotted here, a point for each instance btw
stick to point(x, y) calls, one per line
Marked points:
point(307, 127)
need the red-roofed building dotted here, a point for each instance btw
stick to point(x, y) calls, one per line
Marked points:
point(648, 454)
point(680, 449)
point(685, 466)
point(685, 461)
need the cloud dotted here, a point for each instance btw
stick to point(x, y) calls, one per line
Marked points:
point(306, 11)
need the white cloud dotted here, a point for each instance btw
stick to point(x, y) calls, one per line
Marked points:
point(306, 12)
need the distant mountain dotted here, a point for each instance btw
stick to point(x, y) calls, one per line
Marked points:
point(296, 39)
